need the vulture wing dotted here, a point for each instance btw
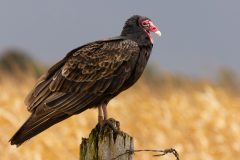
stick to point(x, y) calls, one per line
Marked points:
point(86, 72)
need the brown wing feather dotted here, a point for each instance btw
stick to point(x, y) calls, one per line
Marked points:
point(91, 68)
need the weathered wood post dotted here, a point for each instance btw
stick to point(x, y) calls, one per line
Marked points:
point(106, 142)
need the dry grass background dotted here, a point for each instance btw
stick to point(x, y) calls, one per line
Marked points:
point(201, 121)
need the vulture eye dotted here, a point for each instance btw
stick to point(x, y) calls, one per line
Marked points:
point(145, 23)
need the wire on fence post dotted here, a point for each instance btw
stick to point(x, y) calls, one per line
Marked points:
point(162, 152)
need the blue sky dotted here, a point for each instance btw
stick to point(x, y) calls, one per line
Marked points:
point(198, 37)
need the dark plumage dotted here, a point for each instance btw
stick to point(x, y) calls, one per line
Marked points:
point(89, 76)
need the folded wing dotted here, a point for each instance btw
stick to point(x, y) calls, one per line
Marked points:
point(83, 75)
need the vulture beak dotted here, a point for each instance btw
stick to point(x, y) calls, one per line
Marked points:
point(158, 33)
point(153, 28)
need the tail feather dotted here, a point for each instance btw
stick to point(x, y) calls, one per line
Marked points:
point(29, 129)
point(46, 115)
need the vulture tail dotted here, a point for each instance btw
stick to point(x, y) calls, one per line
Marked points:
point(30, 128)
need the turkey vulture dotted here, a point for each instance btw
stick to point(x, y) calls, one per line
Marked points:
point(89, 76)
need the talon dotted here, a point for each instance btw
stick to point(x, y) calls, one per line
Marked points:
point(112, 126)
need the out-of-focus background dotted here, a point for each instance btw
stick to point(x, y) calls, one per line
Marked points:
point(188, 97)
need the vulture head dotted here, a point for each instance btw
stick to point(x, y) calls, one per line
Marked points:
point(138, 28)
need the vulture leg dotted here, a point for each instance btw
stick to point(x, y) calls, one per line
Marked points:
point(100, 114)
point(104, 109)
point(103, 116)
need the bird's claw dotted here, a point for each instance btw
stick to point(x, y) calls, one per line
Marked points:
point(114, 126)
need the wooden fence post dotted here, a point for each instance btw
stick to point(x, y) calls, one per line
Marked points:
point(106, 142)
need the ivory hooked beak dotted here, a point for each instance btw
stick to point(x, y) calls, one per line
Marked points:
point(158, 33)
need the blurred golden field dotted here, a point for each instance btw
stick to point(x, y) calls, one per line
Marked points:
point(201, 120)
